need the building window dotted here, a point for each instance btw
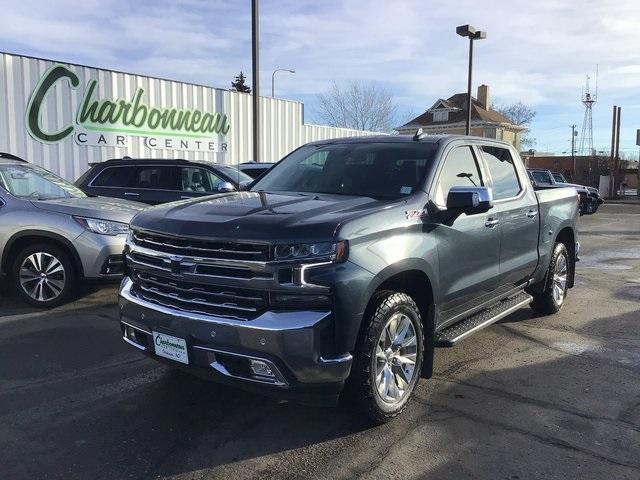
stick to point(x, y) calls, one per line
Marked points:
point(440, 116)
point(489, 133)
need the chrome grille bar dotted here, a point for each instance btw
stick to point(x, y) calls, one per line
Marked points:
point(195, 301)
point(226, 250)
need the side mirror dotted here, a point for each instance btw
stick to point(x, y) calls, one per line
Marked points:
point(225, 187)
point(469, 200)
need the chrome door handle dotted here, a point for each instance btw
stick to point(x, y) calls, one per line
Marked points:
point(491, 223)
point(132, 194)
point(532, 213)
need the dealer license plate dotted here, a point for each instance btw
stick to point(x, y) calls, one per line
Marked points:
point(173, 348)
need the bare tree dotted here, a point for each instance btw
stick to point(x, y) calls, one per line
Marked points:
point(521, 115)
point(363, 106)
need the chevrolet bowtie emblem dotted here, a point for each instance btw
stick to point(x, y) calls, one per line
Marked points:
point(176, 265)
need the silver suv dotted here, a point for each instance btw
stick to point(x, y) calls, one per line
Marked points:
point(52, 234)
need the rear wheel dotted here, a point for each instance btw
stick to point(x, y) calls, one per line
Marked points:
point(43, 275)
point(551, 299)
point(389, 359)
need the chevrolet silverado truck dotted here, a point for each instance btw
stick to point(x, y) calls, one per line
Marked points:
point(341, 270)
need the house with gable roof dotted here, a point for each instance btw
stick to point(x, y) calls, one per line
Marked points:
point(448, 116)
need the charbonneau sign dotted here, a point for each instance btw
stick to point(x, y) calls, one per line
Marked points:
point(104, 122)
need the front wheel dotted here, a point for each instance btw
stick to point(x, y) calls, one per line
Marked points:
point(389, 358)
point(551, 299)
point(43, 275)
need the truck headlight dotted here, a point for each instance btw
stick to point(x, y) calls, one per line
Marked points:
point(103, 227)
point(334, 251)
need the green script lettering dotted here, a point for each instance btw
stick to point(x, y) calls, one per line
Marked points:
point(54, 74)
point(121, 113)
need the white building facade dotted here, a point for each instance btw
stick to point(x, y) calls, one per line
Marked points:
point(65, 117)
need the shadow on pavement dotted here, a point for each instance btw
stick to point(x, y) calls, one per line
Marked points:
point(77, 403)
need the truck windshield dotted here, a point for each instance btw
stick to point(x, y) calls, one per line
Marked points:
point(29, 181)
point(378, 170)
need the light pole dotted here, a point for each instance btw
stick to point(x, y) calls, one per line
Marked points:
point(473, 34)
point(273, 77)
point(255, 66)
point(573, 152)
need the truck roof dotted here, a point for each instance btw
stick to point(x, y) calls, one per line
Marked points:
point(424, 138)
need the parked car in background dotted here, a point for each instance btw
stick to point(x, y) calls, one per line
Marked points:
point(590, 198)
point(345, 264)
point(594, 193)
point(52, 234)
point(155, 181)
point(255, 169)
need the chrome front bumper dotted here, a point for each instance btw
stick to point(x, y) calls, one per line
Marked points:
point(292, 342)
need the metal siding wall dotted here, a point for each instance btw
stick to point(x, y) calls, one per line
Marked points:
point(282, 128)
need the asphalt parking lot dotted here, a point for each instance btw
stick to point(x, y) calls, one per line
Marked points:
point(530, 397)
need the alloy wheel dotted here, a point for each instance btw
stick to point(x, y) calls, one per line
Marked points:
point(395, 361)
point(42, 276)
point(560, 279)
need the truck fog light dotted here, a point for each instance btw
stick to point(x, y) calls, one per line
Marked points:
point(130, 333)
point(258, 367)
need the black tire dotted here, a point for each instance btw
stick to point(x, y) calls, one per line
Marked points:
point(58, 286)
point(361, 391)
point(546, 302)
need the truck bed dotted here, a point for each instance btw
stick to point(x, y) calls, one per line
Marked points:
point(555, 205)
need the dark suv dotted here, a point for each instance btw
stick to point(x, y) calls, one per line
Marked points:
point(155, 181)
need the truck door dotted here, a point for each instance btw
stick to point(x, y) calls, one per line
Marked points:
point(516, 207)
point(469, 246)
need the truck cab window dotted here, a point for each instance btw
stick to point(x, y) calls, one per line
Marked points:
point(460, 170)
point(502, 171)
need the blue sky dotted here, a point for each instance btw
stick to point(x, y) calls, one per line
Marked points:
point(536, 52)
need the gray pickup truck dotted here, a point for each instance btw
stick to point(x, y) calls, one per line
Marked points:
point(342, 269)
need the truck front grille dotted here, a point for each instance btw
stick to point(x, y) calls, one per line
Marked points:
point(188, 296)
point(202, 248)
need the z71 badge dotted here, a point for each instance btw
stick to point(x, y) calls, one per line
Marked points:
point(416, 214)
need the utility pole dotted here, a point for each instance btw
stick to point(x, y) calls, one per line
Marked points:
point(616, 169)
point(255, 65)
point(573, 151)
point(615, 138)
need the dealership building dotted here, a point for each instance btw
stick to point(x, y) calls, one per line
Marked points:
point(65, 117)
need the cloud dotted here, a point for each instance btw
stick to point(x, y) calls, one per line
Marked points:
point(537, 53)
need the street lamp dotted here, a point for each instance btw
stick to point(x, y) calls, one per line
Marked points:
point(255, 76)
point(473, 34)
point(273, 76)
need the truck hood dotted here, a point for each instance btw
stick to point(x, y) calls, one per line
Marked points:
point(257, 216)
point(93, 207)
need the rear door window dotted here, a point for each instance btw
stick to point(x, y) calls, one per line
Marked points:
point(541, 177)
point(115, 177)
point(502, 171)
point(156, 178)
